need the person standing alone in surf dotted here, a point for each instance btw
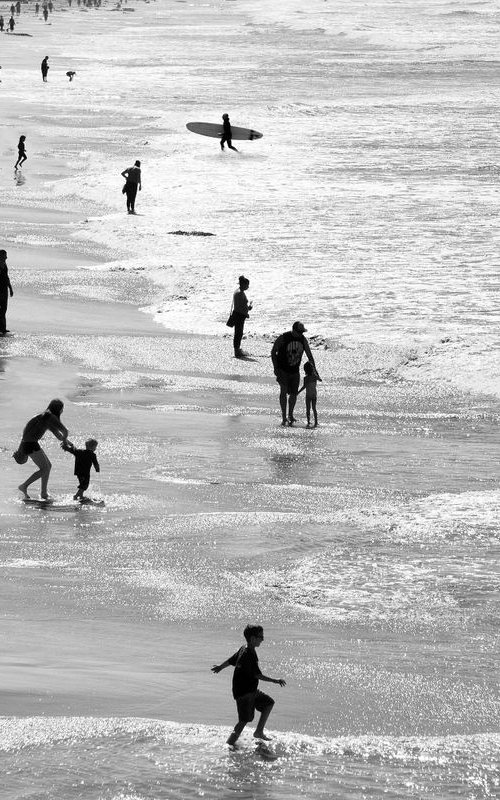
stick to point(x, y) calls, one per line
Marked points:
point(132, 177)
point(241, 308)
point(45, 68)
point(5, 291)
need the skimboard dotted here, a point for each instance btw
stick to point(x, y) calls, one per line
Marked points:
point(215, 131)
point(54, 505)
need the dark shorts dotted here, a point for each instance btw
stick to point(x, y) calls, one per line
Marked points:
point(288, 380)
point(247, 703)
point(83, 481)
point(29, 447)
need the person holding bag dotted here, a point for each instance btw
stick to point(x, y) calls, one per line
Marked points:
point(48, 420)
point(239, 314)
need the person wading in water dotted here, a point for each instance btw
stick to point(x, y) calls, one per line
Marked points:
point(132, 177)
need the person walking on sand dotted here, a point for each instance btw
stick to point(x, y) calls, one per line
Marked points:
point(1, 24)
point(84, 461)
point(246, 679)
point(132, 177)
point(48, 420)
point(45, 13)
point(12, 24)
point(45, 68)
point(227, 133)
point(241, 308)
point(310, 381)
point(37, 8)
point(286, 354)
point(21, 152)
point(5, 291)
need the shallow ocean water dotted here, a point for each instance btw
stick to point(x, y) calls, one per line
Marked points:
point(367, 548)
point(128, 759)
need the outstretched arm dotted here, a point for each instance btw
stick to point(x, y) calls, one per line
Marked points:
point(218, 667)
point(68, 447)
point(279, 681)
point(125, 174)
point(58, 429)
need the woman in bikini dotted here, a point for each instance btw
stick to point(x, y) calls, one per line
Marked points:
point(48, 420)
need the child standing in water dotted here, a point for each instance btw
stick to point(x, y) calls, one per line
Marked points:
point(246, 679)
point(311, 378)
point(21, 157)
point(84, 460)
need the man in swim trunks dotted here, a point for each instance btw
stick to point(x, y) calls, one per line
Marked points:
point(48, 420)
point(286, 354)
point(246, 679)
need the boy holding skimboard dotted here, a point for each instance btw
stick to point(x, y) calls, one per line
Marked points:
point(246, 679)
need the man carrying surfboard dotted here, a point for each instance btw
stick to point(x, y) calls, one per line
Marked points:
point(227, 134)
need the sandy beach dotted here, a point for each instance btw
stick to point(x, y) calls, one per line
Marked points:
point(368, 547)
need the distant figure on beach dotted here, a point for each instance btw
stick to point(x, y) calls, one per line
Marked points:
point(37, 8)
point(1, 24)
point(71, 74)
point(132, 177)
point(286, 354)
point(5, 291)
point(12, 9)
point(18, 7)
point(84, 461)
point(311, 378)
point(48, 420)
point(45, 13)
point(51, 6)
point(227, 133)
point(241, 308)
point(12, 24)
point(246, 679)
point(21, 152)
point(45, 68)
